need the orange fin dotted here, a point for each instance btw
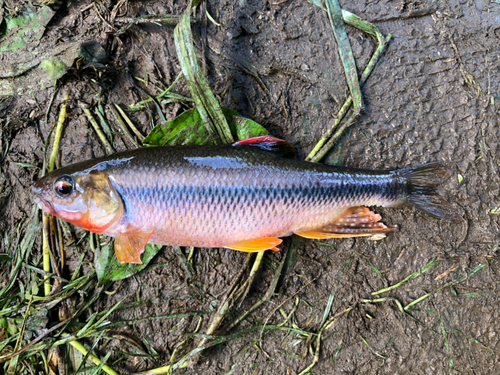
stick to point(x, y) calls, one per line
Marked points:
point(353, 222)
point(130, 245)
point(268, 243)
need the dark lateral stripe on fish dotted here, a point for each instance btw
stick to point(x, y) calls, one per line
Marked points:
point(388, 190)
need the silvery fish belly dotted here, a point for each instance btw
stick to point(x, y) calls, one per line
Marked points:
point(242, 196)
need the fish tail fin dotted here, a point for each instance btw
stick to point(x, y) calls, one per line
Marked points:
point(422, 182)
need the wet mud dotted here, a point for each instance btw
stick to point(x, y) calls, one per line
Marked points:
point(434, 96)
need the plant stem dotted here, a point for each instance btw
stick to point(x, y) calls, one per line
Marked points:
point(82, 349)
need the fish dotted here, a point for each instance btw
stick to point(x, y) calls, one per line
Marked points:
point(244, 196)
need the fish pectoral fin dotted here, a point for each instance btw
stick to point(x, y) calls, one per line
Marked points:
point(268, 143)
point(130, 245)
point(268, 243)
point(353, 222)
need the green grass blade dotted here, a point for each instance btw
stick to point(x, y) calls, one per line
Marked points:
point(23, 249)
point(424, 269)
point(335, 15)
point(330, 138)
point(208, 107)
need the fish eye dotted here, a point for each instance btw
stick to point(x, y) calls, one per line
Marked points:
point(63, 186)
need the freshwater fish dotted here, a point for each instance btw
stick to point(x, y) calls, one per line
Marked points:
point(243, 196)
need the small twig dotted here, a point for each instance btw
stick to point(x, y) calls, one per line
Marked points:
point(217, 317)
point(122, 124)
point(58, 133)
point(190, 256)
point(130, 123)
point(46, 253)
point(169, 19)
point(265, 298)
point(52, 97)
point(107, 146)
point(184, 262)
point(102, 18)
point(45, 219)
point(323, 328)
point(282, 303)
point(116, 8)
point(245, 287)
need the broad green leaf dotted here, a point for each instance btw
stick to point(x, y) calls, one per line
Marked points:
point(185, 129)
point(188, 129)
point(244, 128)
point(109, 269)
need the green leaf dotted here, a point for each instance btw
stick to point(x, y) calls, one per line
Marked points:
point(25, 165)
point(241, 127)
point(185, 129)
point(109, 269)
point(189, 129)
point(5, 258)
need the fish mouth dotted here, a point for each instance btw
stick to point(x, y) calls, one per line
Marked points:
point(42, 203)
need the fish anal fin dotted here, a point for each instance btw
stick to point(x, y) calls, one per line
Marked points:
point(129, 245)
point(353, 222)
point(317, 234)
point(268, 143)
point(268, 243)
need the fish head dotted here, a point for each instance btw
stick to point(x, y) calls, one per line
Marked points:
point(86, 199)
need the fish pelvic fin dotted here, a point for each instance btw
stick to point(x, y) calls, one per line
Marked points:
point(250, 246)
point(353, 222)
point(130, 245)
point(422, 182)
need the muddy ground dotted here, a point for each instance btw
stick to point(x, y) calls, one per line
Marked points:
point(434, 96)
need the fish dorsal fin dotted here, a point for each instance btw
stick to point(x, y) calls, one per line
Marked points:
point(268, 143)
point(129, 245)
point(353, 222)
point(250, 246)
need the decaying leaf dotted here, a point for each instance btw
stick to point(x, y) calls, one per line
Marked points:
point(28, 63)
